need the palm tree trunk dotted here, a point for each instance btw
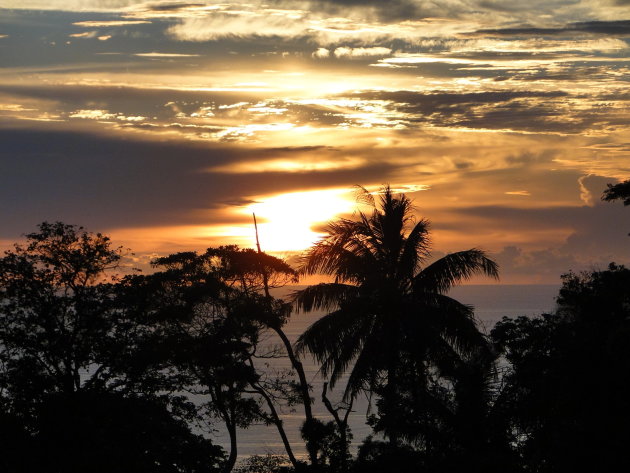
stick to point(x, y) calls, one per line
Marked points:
point(391, 394)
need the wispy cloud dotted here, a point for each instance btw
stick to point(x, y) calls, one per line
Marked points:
point(109, 23)
point(511, 117)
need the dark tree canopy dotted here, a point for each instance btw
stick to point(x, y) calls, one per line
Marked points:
point(109, 375)
point(209, 310)
point(79, 382)
point(567, 393)
point(108, 433)
point(619, 191)
point(386, 300)
point(58, 330)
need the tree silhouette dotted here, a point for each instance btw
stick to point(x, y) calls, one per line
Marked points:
point(620, 191)
point(57, 322)
point(76, 371)
point(386, 306)
point(107, 433)
point(453, 419)
point(567, 390)
point(211, 309)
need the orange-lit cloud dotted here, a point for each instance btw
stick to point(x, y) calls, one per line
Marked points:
point(169, 123)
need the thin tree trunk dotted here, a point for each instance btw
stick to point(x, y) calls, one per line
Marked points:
point(295, 363)
point(231, 427)
point(304, 391)
point(231, 461)
point(342, 424)
point(277, 421)
point(391, 393)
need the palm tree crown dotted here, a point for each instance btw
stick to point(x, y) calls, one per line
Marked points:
point(383, 302)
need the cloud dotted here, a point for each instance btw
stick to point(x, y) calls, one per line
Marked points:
point(222, 24)
point(523, 193)
point(585, 194)
point(361, 52)
point(85, 34)
point(111, 182)
point(109, 23)
point(512, 110)
point(173, 6)
point(321, 53)
point(93, 114)
point(392, 10)
point(593, 238)
point(526, 158)
point(614, 28)
point(165, 55)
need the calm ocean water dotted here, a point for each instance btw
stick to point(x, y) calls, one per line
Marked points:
point(491, 303)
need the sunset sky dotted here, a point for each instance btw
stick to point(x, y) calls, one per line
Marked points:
point(166, 124)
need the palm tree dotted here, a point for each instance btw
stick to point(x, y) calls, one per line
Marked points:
point(384, 303)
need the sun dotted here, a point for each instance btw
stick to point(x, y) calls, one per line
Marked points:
point(286, 221)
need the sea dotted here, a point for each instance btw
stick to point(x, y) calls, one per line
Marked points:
point(491, 303)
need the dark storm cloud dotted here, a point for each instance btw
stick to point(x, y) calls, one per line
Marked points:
point(589, 225)
point(597, 236)
point(107, 182)
point(519, 116)
point(614, 28)
point(172, 7)
point(525, 158)
point(76, 95)
point(164, 104)
point(390, 10)
point(428, 103)
point(92, 179)
point(293, 149)
point(46, 39)
point(539, 266)
point(561, 72)
point(199, 112)
point(544, 112)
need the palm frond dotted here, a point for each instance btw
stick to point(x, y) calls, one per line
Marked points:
point(458, 325)
point(415, 249)
point(363, 196)
point(324, 296)
point(335, 340)
point(343, 253)
point(365, 371)
point(454, 268)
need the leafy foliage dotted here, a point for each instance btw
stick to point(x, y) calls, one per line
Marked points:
point(79, 382)
point(388, 306)
point(104, 433)
point(569, 378)
point(620, 191)
point(209, 310)
point(58, 330)
point(263, 464)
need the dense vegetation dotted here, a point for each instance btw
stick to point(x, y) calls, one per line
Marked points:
point(104, 373)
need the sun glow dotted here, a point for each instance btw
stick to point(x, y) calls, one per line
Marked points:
point(286, 221)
